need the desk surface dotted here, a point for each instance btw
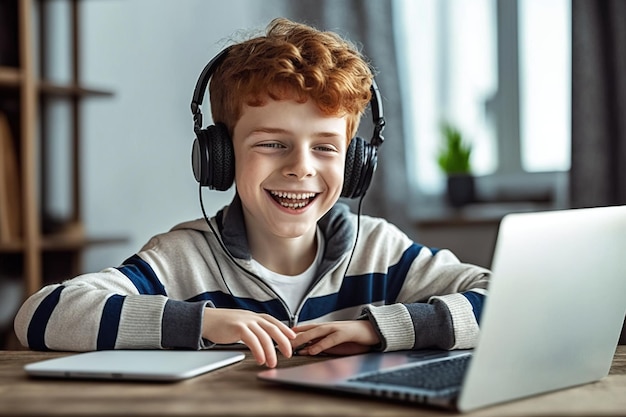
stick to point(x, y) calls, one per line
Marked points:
point(235, 391)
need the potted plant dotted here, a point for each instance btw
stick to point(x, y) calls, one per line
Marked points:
point(454, 159)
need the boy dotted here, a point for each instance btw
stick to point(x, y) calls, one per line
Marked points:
point(283, 265)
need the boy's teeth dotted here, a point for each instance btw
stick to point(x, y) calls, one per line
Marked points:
point(292, 196)
point(292, 200)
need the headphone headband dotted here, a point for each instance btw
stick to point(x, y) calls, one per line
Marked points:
point(377, 115)
point(201, 86)
point(203, 82)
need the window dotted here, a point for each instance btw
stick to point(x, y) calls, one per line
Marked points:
point(497, 69)
point(545, 80)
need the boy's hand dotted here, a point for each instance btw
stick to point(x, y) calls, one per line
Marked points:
point(337, 337)
point(257, 331)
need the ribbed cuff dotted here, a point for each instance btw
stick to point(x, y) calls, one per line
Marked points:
point(182, 325)
point(393, 325)
point(140, 323)
point(463, 321)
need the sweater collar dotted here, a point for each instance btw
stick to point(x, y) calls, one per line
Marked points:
point(337, 226)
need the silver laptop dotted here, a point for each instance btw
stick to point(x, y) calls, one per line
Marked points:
point(552, 319)
point(147, 365)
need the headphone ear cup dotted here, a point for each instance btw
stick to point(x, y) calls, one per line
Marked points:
point(361, 160)
point(352, 170)
point(213, 158)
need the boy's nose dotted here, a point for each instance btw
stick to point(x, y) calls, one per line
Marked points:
point(299, 164)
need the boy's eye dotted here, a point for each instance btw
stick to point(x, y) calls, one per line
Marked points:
point(325, 148)
point(271, 145)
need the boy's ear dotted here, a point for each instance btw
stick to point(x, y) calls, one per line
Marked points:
point(213, 158)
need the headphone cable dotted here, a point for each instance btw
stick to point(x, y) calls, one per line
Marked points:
point(208, 222)
point(358, 229)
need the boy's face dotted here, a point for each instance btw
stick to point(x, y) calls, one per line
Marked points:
point(289, 166)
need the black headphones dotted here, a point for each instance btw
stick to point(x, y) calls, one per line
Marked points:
point(213, 157)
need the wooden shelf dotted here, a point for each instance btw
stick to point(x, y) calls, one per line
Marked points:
point(54, 243)
point(53, 89)
point(12, 246)
point(68, 242)
point(10, 77)
point(29, 247)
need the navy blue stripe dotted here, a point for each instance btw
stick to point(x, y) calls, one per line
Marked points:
point(109, 322)
point(142, 276)
point(363, 289)
point(355, 290)
point(477, 302)
point(222, 300)
point(37, 327)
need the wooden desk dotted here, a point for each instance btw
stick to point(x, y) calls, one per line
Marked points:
point(235, 391)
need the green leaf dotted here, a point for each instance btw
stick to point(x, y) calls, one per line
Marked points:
point(454, 155)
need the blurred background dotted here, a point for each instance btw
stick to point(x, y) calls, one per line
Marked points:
point(436, 60)
point(534, 87)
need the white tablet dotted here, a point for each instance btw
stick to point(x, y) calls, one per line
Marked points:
point(147, 365)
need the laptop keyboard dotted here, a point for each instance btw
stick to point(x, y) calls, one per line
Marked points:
point(437, 375)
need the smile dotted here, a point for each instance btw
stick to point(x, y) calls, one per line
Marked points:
point(291, 200)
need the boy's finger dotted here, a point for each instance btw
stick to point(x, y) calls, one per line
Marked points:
point(267, 344)
point(329, 340)
point(253, 343)
point(304, 327)
point(286, 330)
point(311, 335)
point(284, 345)
point(282, 341)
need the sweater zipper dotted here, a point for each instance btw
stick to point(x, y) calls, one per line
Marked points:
point(293, 318)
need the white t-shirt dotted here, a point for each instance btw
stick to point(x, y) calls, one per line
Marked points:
point(293, 288)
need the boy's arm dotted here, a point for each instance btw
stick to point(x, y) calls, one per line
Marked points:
point(107, 310)
point(451, 296)
point(447, 322)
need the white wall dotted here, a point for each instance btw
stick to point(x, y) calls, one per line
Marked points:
point(137, 176)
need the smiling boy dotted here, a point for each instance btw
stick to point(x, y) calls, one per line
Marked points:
point(283, 265)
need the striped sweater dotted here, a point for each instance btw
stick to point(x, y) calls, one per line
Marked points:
point(415, 297)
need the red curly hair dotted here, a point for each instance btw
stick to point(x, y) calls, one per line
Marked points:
point(292, 61)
